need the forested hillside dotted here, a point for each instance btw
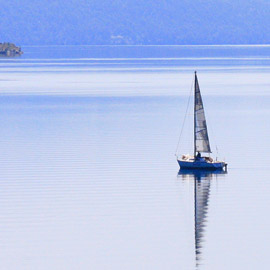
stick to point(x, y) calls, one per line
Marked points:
point(28, 22)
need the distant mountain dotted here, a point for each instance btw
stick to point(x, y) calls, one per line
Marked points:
point(44, 22)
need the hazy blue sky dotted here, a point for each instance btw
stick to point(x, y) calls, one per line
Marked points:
point(135, 22)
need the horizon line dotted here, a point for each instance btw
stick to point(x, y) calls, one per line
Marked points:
point(151, 45)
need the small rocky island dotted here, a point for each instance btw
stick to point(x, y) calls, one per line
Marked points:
point(10, 49)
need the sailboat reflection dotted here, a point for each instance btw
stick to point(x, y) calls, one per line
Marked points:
point(202, 181)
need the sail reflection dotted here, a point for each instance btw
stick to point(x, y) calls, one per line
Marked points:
point(202, 181)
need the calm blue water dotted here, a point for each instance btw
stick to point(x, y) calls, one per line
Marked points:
point(89, 178)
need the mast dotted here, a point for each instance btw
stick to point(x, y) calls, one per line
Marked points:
point(194, 126)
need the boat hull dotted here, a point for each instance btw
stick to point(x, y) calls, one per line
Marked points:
point(199, 165)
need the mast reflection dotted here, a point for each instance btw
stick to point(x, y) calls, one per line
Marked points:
point(202, 181)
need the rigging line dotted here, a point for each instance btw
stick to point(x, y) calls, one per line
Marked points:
point(181, 132)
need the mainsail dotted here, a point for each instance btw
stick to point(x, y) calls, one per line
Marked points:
point(201, 140)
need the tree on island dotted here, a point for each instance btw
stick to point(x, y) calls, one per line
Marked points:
point(9, 49)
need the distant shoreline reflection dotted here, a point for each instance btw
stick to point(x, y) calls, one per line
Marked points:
point(202, 182)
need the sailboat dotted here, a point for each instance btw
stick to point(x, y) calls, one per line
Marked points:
point(201, 139)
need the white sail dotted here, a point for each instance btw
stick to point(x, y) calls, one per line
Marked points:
point(201, 139)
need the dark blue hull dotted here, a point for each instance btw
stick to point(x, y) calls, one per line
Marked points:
point(198, 165)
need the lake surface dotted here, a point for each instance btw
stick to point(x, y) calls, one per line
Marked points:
point(89, 178)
